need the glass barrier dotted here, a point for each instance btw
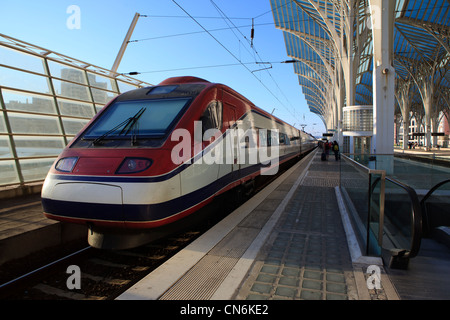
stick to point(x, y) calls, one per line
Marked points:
point(421, 170)
point(45, 99)
point(402, 232)
point(376, 212)
point(385, 213)
point(436, 207)
point(354, 185)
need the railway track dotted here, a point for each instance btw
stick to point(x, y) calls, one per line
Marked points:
point(93, 274)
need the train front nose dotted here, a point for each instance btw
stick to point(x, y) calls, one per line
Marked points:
point(84, 202)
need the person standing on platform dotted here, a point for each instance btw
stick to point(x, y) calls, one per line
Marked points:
point(336, 150)
point(327, 149)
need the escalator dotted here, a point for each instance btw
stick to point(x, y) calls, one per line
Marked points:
point(399, 216)
point(435, 206)
point(425, 278)
point(407, 221)
point(398, 220)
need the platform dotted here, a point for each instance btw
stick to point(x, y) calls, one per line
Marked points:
point(287, 242)
point(24, 230)
point(292, 240)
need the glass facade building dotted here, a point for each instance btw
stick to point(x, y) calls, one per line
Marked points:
point(358, 119)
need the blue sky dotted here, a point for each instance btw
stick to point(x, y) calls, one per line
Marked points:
point(162, 52)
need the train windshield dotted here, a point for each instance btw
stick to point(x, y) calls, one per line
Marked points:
point(136, 119)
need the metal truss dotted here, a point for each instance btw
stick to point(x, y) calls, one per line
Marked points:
point(333, 42)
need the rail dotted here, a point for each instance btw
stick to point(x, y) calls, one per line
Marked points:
point(386, 212)
point(437, 198)
point(414, 212)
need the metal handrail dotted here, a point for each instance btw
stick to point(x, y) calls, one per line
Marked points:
point(425, 198)
point(416, 212)
point(416, 218)
point(433, 189)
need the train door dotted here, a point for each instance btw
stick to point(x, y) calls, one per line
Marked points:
point(233, 143)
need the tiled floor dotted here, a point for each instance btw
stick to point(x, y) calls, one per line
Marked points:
point(307, 256)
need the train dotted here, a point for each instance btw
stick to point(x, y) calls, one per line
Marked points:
point(154, 156)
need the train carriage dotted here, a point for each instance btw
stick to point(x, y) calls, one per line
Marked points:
point(156, 155)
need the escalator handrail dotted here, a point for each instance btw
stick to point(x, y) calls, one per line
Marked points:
point(416, 212)
point(424, 207)
point(429, 193)
point(416, 217)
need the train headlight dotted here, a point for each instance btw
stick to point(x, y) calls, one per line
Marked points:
point(66, 164)
point(133, 165)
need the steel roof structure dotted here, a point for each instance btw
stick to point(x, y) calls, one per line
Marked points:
point(337, 43)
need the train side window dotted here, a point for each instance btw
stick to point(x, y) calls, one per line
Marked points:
point(212, 117)
point(273, 138)
point(282, 138)
point(262, 137)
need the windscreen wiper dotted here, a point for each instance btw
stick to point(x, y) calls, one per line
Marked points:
point(127, 126)
point(132, 121)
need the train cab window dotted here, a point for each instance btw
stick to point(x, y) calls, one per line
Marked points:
point(212, 117)
point(162, 90)
point(139, 119)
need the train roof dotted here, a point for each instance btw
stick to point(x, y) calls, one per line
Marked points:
point(184, 86)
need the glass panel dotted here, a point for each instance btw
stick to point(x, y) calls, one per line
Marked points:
point(73, 126)
point(77, 109)
point(397, 218)
point(23, 80)
point(38, 146)
point(98, 107)
point(71, 90)
point(147, 118)
point(21, 60)
point(66, 73)
point(417, 174)
point(28, 102)
point(101, 96)
point(436, 209)
point(5, 149)
point(26, 123)
point(354, 183)
point(2, 124)
point(123, 86)
point(362, 150)
point(374, 215)
point(36, 169)
point(101, 82)
point(9, 172)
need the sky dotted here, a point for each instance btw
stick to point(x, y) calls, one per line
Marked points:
point(170, 40)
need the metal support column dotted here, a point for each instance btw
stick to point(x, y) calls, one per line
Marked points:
point(383, 83)
point(124, 44)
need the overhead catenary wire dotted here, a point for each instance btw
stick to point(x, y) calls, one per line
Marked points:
point(234, 56)
point(207, 67)
point(256, 54)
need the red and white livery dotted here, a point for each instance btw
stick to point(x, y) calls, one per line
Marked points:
point(156, 155)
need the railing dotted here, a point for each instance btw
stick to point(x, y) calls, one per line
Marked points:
point(385, 212)
point(45, 99)
point(435, 207)
point(402, 224)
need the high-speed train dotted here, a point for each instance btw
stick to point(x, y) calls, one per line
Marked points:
point(156, 155)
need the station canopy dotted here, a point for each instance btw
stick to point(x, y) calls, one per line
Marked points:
point(313, 30)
